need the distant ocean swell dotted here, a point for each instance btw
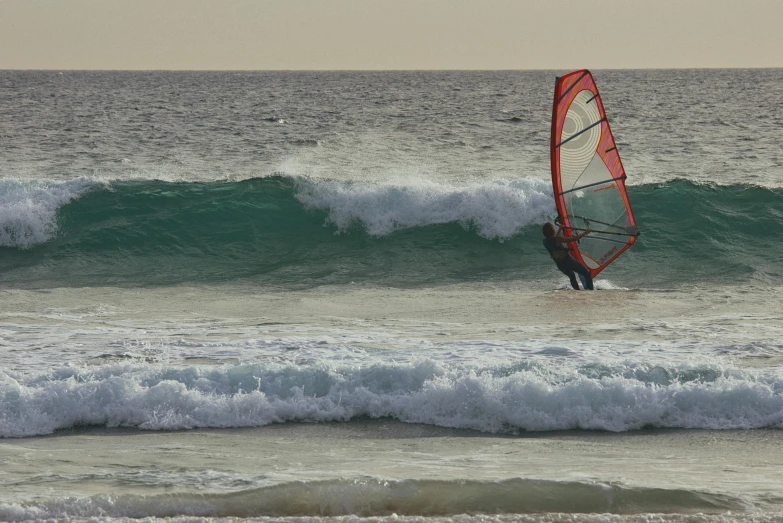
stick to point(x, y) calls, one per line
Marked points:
point(294, 231)
point(368, 497)
point(527, 397)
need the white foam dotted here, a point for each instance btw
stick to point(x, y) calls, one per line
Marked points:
point(28, 208)
point(497, 209)
point(541, 396)
point(606, 285)
point(599, 285)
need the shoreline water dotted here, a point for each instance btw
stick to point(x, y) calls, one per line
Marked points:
point(521, 307)
point(505, 302)
point(378, 467)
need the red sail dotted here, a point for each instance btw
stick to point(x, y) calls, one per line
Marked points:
point(587, 174)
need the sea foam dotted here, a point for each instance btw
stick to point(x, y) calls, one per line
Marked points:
point(496, 209)
point(28, 208)
point(535, 397)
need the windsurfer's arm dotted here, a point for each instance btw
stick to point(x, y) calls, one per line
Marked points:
point(569, 239)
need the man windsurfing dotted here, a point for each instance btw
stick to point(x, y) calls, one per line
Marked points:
point(553, 241)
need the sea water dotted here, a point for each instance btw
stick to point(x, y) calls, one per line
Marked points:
point(323, 295)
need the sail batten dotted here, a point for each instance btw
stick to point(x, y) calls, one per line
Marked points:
point(586, 186)
point(580, 133)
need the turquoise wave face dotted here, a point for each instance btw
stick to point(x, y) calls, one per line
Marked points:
point(273, 231)
point(705, 233)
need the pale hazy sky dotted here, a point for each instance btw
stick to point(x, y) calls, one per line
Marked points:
point(389, 34)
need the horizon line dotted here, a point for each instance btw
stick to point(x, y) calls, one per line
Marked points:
point(701, 68)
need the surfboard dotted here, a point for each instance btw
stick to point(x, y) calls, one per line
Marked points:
point(588, 177)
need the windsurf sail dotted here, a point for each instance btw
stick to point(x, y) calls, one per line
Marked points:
point(587, 174)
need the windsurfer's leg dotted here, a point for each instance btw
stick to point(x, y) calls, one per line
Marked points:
point(572, 277)
point(567, 270)
point(584, 274)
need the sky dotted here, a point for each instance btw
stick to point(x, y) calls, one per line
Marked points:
point(389, 34)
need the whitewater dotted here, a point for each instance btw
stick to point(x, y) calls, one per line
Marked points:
point(324, 296)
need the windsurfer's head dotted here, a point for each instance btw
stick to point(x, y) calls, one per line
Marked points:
point(549, 230)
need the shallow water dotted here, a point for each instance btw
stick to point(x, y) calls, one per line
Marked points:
point(379, 468)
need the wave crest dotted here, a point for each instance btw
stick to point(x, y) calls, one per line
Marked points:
point(28, 209)
point(497, 400)
point(497, 209)
point(368, 497)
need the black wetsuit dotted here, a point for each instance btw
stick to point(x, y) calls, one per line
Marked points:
point(568, 265)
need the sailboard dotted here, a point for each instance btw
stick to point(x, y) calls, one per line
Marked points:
point(588, 177)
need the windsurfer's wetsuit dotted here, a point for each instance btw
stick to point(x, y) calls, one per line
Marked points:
point(568, 265)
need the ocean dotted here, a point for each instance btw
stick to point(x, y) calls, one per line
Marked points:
point(323, 296)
